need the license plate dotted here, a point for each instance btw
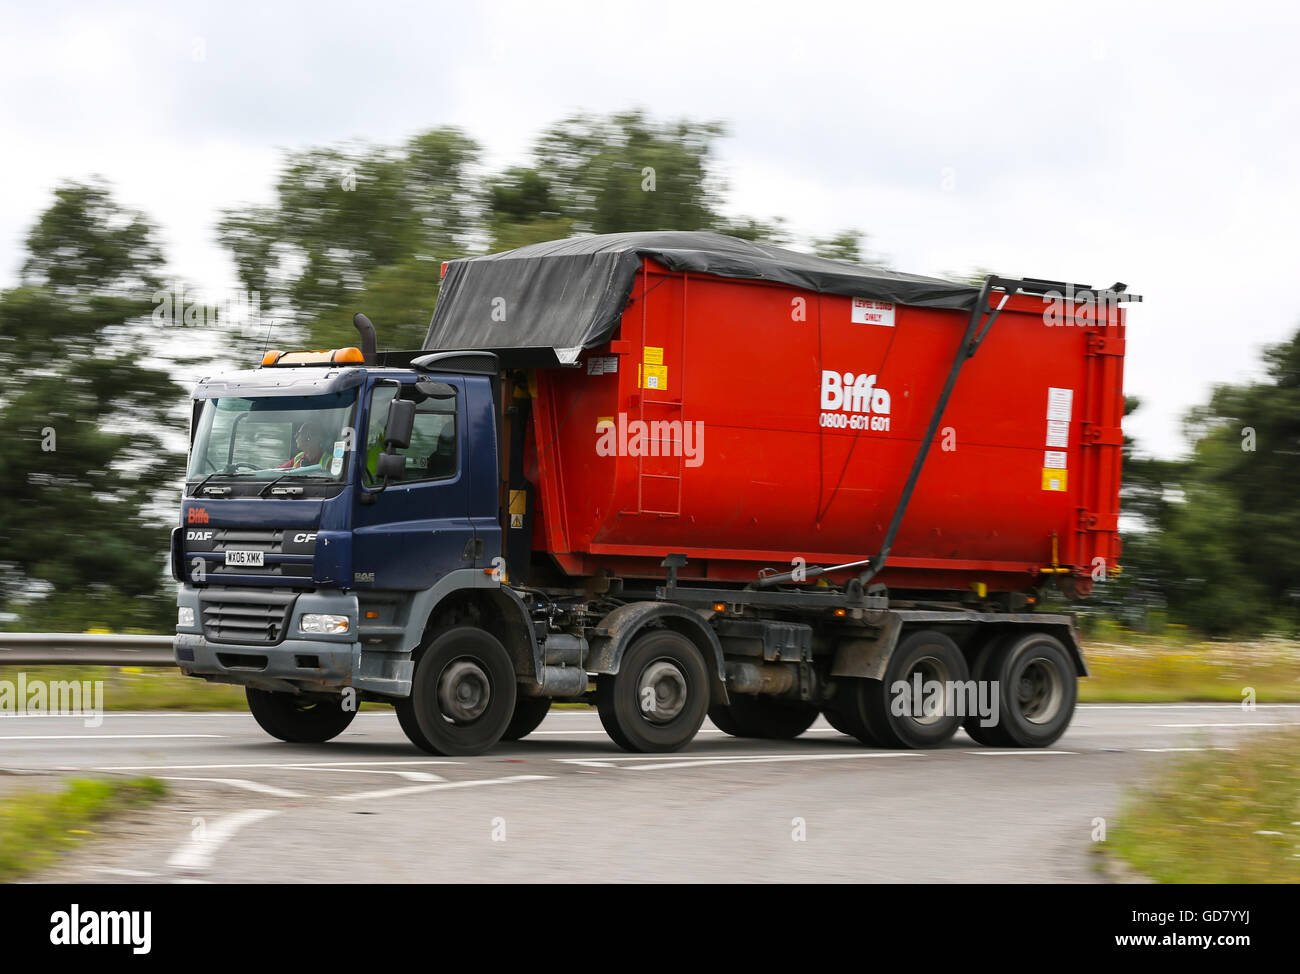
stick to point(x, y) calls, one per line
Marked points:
point(245, 559)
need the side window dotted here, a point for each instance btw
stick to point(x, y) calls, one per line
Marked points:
point(433, 453)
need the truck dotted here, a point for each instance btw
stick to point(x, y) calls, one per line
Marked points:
point(674, 475)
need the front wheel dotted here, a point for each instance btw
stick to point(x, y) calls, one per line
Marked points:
point(528, 716)
point(659, 696)
point(298, 718)
point(462, 694)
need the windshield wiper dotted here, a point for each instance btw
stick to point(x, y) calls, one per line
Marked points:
point(202, 483)
point(270, 484)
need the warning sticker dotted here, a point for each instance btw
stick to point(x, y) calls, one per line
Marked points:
point(1060, 403)
point(655, 377)
point(654, 355)
point(1054, 479)
point(1058, 433)
point(868, 312)
point(602, 364)
point(1054, 460)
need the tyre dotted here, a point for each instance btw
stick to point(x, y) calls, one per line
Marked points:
point(772, 718)
point(528, 716)
point(658, 698)
point(893, 718)
point(974, 725)
point(842, 718)
point(462, 694)
point(298, 718)
point(410, 726)
point(1037, 690)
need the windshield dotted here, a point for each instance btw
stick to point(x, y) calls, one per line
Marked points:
point(279, 437)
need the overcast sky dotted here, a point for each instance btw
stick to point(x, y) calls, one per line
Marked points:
point(1158, 148)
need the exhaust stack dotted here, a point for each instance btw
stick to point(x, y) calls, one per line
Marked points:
point(367, 330)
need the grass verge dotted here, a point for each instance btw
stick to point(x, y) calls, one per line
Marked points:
point(1218, 816)
point(35, 826)
point(1133, 668)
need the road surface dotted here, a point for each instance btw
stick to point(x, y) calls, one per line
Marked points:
point(567, 805)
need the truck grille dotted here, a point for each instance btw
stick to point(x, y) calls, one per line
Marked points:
point(251, 617)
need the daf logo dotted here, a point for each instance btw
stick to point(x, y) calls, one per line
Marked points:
point(304, 538)
point(198, 535)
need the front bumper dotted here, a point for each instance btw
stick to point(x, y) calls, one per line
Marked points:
point(374, 658)
point(291, 665)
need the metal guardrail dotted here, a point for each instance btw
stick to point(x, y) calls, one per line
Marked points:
point(84, 649)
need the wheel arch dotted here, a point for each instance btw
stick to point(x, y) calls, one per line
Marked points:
point(868, 657)
point(616, 631)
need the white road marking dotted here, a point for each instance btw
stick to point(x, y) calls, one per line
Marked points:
point(1167, 750)
point(419, 789)
point(278, 766)
point(1185, 706)
point(1024, 750)
point(134, 873)
point(770, 760)
point(97, 737)
point(714, 756)
point(243, 783)
point(1244, 723)
point(408, 775)
point(196, 854)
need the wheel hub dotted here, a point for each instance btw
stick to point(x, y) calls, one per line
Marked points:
point(1039, 691)
point(464, 691)
point(661, 692)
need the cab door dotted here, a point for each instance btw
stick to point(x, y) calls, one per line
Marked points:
point(416, 529)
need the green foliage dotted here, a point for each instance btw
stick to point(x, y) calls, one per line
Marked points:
point(36, 826)
point(626, 172)
point(358, 228)
point(1220, 545)
point(86, 464)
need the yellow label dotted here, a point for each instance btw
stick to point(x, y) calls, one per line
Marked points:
point(653, 355)
point(1054, 479)
point(655, 377)
point(518, 502)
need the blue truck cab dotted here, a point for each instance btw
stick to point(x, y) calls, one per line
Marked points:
point(319, 546)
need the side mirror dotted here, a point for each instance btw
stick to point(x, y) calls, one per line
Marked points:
point(401, 423)
point(390, 466)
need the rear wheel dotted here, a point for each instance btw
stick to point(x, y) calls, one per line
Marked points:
point(842, 719)
point(462, 695)
point(528, 716)
point(982, 728)
point(1037, 690)
point(657, 699)
point(299, 718)
point(765, 717)
point(894, 714)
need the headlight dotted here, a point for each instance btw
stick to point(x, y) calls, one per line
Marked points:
point(318, 622)
point(184, 616)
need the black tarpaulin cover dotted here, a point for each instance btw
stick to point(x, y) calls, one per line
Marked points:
point(567, 295)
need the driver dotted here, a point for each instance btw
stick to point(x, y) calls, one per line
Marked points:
point(310, 443)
